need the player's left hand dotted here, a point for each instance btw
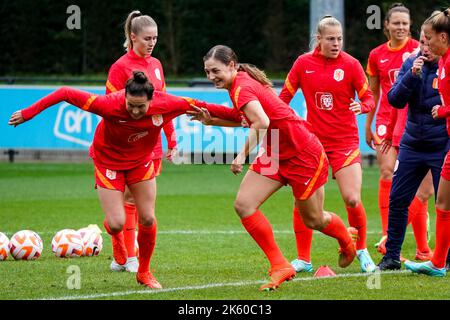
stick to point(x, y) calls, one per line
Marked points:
point(386, 144)
point(16, 118)
point(200, 114)
point(170, 154)
point(435, 113)
point(238, 164)
point(355, 107)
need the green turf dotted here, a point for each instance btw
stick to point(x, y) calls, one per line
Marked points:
point(202, 250)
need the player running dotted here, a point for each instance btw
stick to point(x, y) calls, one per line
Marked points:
point(329, 79)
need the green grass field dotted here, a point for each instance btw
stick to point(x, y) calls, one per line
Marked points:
point(202, 250)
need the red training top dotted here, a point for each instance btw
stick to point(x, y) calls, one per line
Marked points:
point(385, 63)
point(444, 87)
point(122, 70)
point(293, 136)
point(120, 142)
point(329, 85)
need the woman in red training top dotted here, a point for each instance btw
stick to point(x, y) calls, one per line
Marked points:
point(293, 156)
point(437, 33)
point(385, 62)
point(141, 34)
point(121, 151)
point(329, 79)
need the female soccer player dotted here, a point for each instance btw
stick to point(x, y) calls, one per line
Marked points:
point(293, 156)
point(437, 33)
point(422, 148)
point(329, 79)
point(141, 34)
point(383, 67)
point(121, 151)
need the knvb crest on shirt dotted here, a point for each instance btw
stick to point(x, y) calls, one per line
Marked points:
point(324, 100)
point(157, 120)
point(338, 75)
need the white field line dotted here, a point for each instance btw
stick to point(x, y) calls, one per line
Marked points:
point(209, 286)
point(198, 232)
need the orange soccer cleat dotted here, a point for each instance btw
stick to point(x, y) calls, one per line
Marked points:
point(119, 249)
point(348, 254)
point(424, 256)
point(147, 279)
point(278, 276)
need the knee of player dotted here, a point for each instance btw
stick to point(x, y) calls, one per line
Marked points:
point(386, 172)
point(352, 200)
point(243, 208)
point(147, 221)
point(313, 223)
point(116, 225)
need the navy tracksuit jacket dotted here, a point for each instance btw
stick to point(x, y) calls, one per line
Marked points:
point(423, 146)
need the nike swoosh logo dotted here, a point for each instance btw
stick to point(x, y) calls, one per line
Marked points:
point(147, 164)
point(309, 71)
point(385, 60)
point(122, 121)
point(347, 154)
point(306, 183)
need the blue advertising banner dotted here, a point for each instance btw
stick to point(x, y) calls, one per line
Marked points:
point(66, 127)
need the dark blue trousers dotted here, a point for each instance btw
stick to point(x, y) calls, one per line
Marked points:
point(411, 168)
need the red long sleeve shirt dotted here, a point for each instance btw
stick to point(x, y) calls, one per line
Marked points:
point(385, 63)
point(120, 142)
point(444, 87)
point(293, 135)
point(122, 70)
point(328, 86)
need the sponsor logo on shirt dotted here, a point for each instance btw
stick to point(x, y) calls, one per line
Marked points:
point(338, 75)
point(324, 100)
point(136, 136)
point(157, 119)
point(111, 174)
point(158, 74)
point(309, 71)
point(393, 74)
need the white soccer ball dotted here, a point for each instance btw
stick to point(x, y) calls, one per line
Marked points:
point(4, 247)
point(25, 245)
point(92, 242)
point(67, 243)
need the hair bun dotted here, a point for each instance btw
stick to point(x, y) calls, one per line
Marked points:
point(139, 77)
point(396, 4)
point(447, 12)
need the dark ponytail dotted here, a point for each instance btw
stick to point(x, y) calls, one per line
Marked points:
point(139, 85)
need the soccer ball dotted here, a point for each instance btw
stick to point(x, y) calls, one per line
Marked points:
point(25, 245)
point(4, 247)
point(92, 242)
point(67, 243)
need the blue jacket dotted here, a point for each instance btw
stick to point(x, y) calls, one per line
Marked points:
point(422, 133)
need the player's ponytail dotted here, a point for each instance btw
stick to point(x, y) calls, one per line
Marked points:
point(134, 24)
point(255, 73)
point(439, 21)
point(139, 85)
point(226, 55)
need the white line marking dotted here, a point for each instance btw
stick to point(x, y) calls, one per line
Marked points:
point(209, 286)
point(201, 232)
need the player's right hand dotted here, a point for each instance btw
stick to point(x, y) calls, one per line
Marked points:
point(369, 138)
point(16, 118)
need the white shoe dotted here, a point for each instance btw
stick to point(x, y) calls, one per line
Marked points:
point(115, 267)
point(132, 265)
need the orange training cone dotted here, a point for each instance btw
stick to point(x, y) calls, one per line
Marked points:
point(324, 271)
